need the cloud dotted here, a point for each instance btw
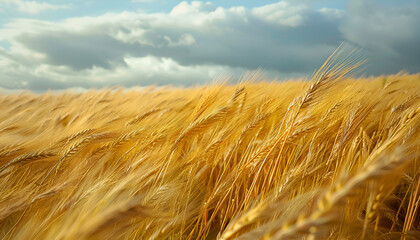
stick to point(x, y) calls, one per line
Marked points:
point(78, 51)
point(282, 13)
point(141, 71)
point(32, 7)
point(388, 31)
point(191, 34)
point(196, 41)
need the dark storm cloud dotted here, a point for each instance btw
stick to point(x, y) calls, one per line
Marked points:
point(76, 50)
point(388, 31)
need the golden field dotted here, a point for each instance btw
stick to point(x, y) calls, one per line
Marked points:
point(329, 158)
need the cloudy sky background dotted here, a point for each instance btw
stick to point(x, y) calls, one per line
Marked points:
point(91, 44)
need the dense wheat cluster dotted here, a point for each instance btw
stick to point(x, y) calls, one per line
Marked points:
point(329, 158)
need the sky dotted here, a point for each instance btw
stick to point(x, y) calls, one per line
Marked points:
point(75, 44)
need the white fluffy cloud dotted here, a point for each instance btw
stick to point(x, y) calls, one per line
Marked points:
point(283, 13)
point(195, 42)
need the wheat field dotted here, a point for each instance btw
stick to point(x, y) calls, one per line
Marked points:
point(328, 158)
